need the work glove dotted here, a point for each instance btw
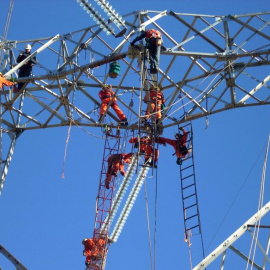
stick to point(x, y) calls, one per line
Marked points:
point(179, 161)
point(136, 145)
point(164, 144)
point(12, 80)
point(132, 43)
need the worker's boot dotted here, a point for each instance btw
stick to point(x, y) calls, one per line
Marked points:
point(153, 69)
point(99, 120)
point(152, 164)
point(124, 122)
point(107, 184)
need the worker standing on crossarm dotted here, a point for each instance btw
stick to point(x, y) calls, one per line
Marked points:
point(4, 81)
point(156, 102)
point(107, 96)
point(145, 148)
point(153, 41)
point(116, 163)
point(179, 144)
point(26, 69)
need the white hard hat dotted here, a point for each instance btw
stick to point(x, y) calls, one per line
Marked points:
point(28, 47)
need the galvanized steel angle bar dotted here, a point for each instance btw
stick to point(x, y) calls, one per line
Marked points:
point(259, 244)
point(200, 33)
point(206, 95)
point(248, 260)
point(21, 113)
point(249, 95)
point(75, 51)
point(4, 170)
point(44, 106)
point(256, 31)
point(149, 21)
point(233, 238)
point(179, 86)
point(241, 29)
point(180, 89)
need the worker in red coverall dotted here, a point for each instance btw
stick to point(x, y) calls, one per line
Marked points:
point(93, 249)
point(116, 163)
point(4, 81)
point(156, 102)
point(153, 42)
point(179, 144)
point(106, 96)
point(145, 146)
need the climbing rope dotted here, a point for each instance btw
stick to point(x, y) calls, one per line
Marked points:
point(236, 196)
point(148, 225)
point(65, 154)
point(260, 205)
point(155, 232)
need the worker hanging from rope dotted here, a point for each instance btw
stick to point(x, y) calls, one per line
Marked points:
point(157, 103)
point(4, 81)
point(93, 249)
point(107, 96)
point(179, 144)
point(145, 145)
point(116, 163)
point(153, 40)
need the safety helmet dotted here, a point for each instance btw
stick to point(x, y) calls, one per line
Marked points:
point(84, 240)
point(107, 86)
point(28, 47)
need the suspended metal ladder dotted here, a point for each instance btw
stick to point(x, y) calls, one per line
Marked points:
point(191, 213)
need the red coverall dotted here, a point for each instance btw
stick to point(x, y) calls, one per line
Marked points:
point(146, 147)
point(4, 81)
point(106, 95)
point(116, 162)
point(93, 248)
point(156, 98)
point(177, 144)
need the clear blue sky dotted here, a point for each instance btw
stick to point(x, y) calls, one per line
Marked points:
point(44, 218)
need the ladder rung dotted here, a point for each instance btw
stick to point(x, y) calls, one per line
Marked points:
point(191, 217)
point(187, 176)
point(187, 167)
point(191, 206)
point(189, 157)
point(193, 227)
point(188, 186)
point(194, 194)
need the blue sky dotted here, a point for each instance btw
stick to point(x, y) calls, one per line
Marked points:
point(43, 217)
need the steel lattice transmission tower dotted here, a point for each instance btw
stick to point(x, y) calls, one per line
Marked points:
point(211, 64)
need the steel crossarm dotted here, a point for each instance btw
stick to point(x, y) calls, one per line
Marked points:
point(233, 238)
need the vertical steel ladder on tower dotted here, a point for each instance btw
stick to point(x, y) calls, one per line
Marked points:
point(190, 204)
